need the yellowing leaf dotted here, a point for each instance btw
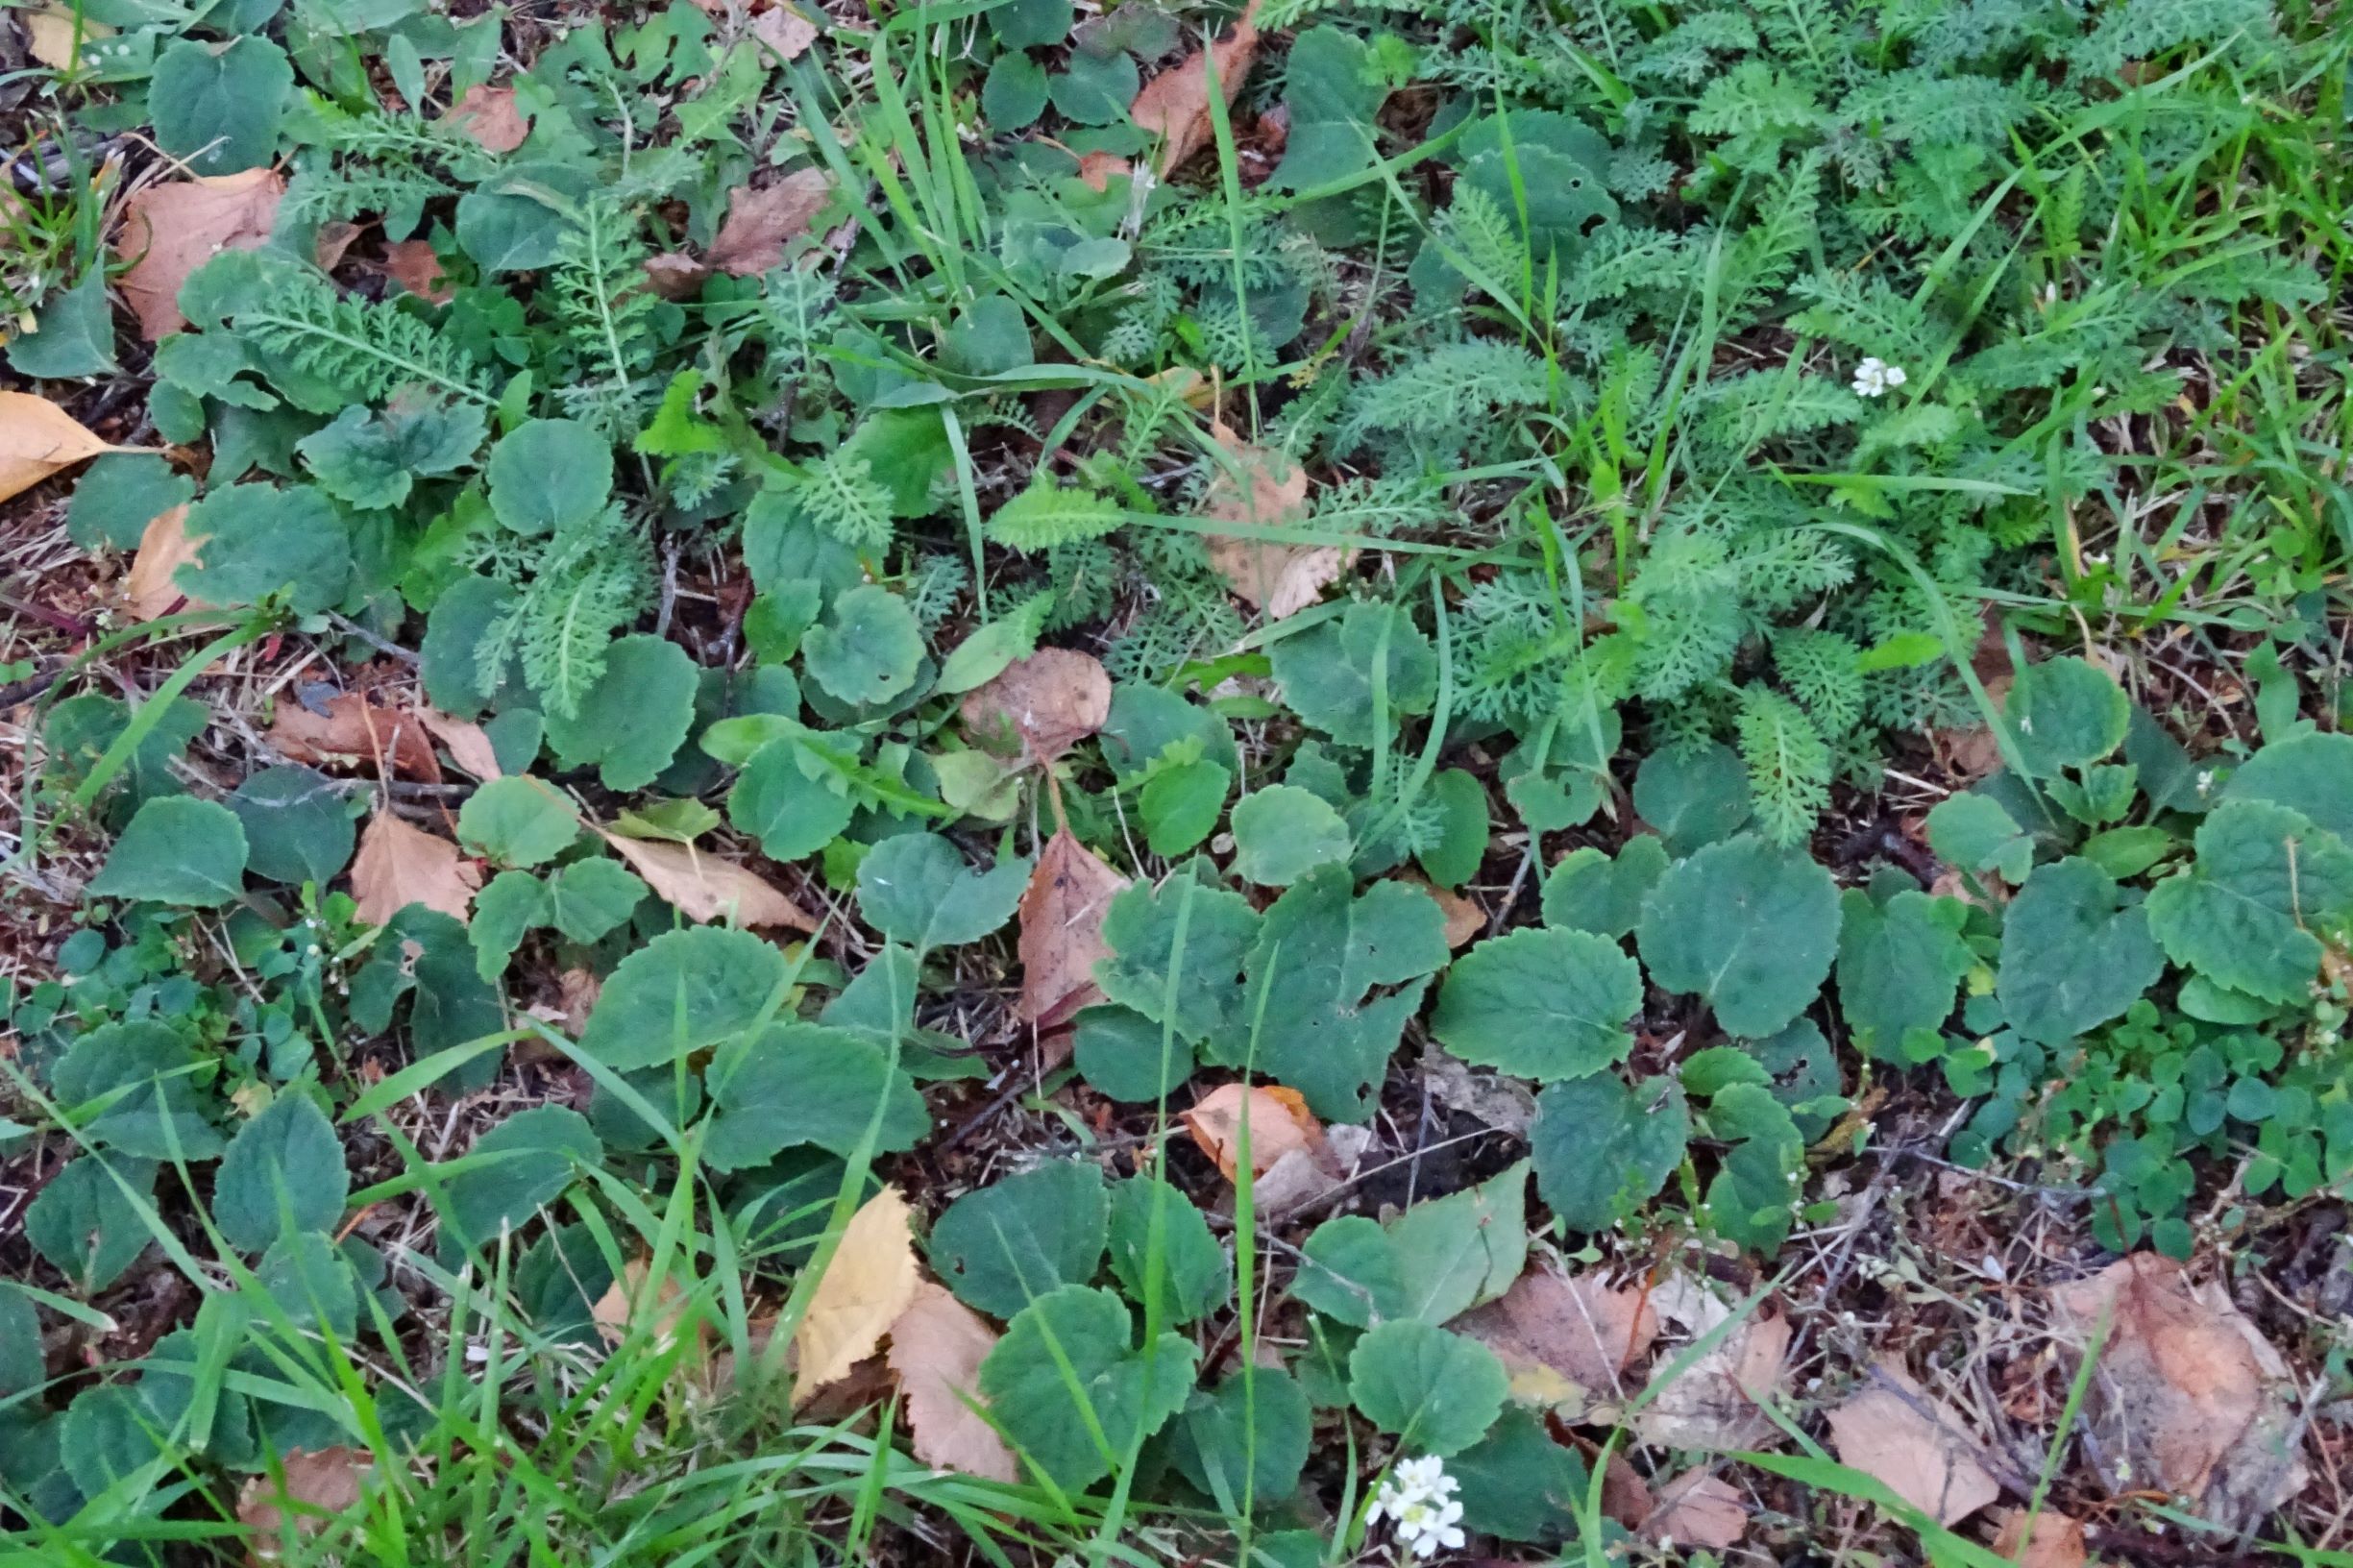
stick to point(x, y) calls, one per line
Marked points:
point(1280, 1124)
point(398, 865)
point(871, 1280)
point(937, 1347)
point(165, 547)
point(706, 888)
point(37, 440)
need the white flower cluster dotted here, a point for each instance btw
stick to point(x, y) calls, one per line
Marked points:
point(1874, 376)
point(1418, 1497)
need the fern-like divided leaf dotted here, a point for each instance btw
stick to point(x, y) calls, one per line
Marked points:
point(1047, 514)
point(365, 351)
point(596, 295)
point(840, 494)
point(1788, 764)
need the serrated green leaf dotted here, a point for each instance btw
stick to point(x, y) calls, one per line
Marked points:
point(257, 539)
point(631, 723)
point(177, 850)
point(2310, 774)
point(1245, 1444)
point(916, 889)
point(1280, 833)
point(1438, 1392)
point(1602, 1149)
point(807, 1083)
point(121, 493)
point(2243, 914)
point(284, 1164)
point(2070, 959)
point(85, 1224)
point(683, 991)
point(1142, 926)
point(867, 651)
point(2064, 713)
point(1589, 891)
point(1542, 1004)
point(1161, 1246)
point(516, 1167)
point(143, 1074)
point(1898, 966)
point(518, 821)
point(1337, 672)
point(1073, 1392)
point(1004, 1245)
point(1747, 926)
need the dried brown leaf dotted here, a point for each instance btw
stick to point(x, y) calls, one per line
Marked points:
point(1697, 1508)
point(871, 1280)
point(1040, 707)
point(490, 118)
point(312, 1489)
point(398, 865)
point(165, 547)
point(674, 275)
point(38, 438)
point(1099, 169)
point(1062, 929)
point(1174, 106)
point(760, 223)
point(170, 230)
point(51, 35)
point(1280, 1122)
point(937, 1347)
point(707, 888)
point(2188, 1394)
point(2056, 1541)
point(353, 732)
point(1582, 1329)
point(1897, 1431)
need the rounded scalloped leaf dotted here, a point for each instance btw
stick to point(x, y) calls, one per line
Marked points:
point(1747, 926)
point(177, 850)
point(284, 1172)
point(1438, 1392)
point(2070, 959)
point(87, 1225)
point(549, 474)
point(140, 1070)
point(1141, 928)
point(1006, 1244)
point(219, 106)
point(1245, 1444)
point(518, 821)
point(805, 1083)
point(917, 889)
point(1544, 1004)
point(1071, 1391)
point(634, 719)
point(2311, 773)
point(254, 540)
point(683, 991)
point(516, 1167)
point(776, 801)
point(1589, 891)
point(2241, 915)
point(297, 828)
point(1694, 794)
point(1328, 672)
point(867, 651)
point(1159, 1243)
point(1128, 1057)
point(1282, 832)
point(1898, 966)
point(2064, 713)
point(1602, 1149)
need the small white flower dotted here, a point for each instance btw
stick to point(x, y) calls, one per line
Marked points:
point(1874, 376)
point(1416, 1497)
point(2205, 780)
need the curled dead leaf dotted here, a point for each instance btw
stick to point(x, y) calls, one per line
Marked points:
point(1174, 106)
point(37, 440)
point(2188, 1394)
point(675, 274)
point(56, 34)
point(1278, 1119)
point(1099, 169)
point(1920, 1447)
point(171, 230)
point(468, 743)
point(347, 730)
point(1040, 707)
point(165, 547)
point(761, 222)
point(704, 887)
point(490, 118)
point(871, 1280)
point(937, 1347)
point(398, 865)
point(1061, 930)
point(784, 30)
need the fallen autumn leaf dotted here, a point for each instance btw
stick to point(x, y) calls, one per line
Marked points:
point(398, 865)
point(871, 1280)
